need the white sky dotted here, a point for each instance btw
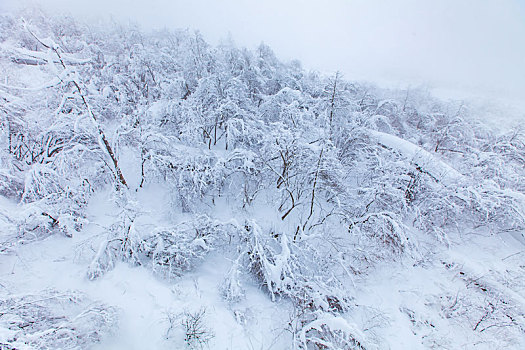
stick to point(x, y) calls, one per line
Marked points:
point(458, 47)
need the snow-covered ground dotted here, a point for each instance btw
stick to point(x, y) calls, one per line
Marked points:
point(435, 303)
point(146, 302)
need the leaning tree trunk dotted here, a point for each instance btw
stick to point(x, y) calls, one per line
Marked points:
point(103, 141)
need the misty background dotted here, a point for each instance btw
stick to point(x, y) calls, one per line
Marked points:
point(469, 49)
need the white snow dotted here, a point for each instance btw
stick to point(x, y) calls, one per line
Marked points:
point(427, 161)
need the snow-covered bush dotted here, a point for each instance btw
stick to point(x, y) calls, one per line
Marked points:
point(231, 289)
point(269, 260)
point(53, 320)
point(176, 250)
point(197, 334)
point(121, 241)
point(326, 331)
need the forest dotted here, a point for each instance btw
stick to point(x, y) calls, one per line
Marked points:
point(158, 152)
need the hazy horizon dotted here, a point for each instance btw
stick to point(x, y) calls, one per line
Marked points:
point(467, 49)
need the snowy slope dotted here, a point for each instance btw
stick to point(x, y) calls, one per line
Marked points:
point(434, 304)
point(157, 192)
point(145, 302)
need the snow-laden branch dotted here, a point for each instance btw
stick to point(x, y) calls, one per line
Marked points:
point(428, 162)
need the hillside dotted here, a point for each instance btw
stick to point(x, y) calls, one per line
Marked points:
point(159, 192)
